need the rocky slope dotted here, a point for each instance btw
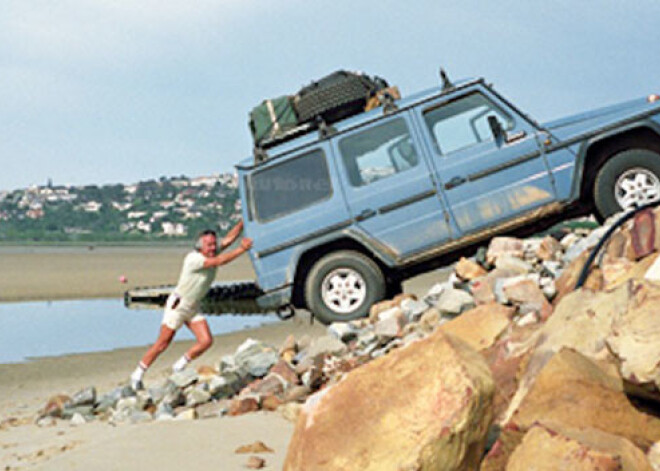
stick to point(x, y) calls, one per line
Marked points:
point(503, 367)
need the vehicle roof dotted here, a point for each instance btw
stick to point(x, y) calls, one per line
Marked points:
point(312, 137)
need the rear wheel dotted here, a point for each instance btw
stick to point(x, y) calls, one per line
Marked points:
point(627, 180)
point(342, 286)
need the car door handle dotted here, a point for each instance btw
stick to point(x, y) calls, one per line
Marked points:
point(454, 182)
point(365, 214)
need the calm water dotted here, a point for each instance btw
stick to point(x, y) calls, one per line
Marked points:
point(37, 329)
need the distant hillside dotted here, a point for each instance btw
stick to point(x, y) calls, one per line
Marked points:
point(169, 208)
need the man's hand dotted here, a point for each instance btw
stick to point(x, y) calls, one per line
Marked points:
point(246, 243)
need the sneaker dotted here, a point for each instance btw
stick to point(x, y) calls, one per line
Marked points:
point(137, 385)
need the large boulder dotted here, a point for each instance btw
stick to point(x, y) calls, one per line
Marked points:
point(574, 391)
point(635, 337)
point(426, 406)
point(549, 448)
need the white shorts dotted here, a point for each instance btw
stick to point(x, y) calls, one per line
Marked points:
point(178, 312)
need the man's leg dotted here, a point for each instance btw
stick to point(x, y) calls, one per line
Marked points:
point(200, 328)
point(165, 337)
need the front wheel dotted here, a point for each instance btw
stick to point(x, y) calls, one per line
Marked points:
point(342, 286)
point(627, 180)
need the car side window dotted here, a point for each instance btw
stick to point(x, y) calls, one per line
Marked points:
point(464, 122)
point(290, 186)
point(378, 152)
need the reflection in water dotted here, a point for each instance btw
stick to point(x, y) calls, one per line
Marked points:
point(47, 328)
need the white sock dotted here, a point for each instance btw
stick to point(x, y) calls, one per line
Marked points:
point(180, 364)
point(139, 372)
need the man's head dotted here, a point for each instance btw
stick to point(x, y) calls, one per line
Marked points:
point(207, 243)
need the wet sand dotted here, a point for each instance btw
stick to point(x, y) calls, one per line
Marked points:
point(75, 273)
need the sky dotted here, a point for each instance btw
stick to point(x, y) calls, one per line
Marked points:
point(118, 91)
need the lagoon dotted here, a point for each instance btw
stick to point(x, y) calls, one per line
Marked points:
point(45, 328)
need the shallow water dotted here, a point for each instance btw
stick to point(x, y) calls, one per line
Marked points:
point(37, 329)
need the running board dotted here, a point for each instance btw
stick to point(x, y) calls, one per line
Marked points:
point(238, 297)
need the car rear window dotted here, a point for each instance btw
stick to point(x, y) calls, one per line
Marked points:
point(290, 186)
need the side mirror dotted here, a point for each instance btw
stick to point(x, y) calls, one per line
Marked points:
point(496, 128)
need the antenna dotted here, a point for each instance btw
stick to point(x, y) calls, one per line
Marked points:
point(446, 83)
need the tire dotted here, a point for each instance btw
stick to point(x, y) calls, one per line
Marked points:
point(330, 302)
point(335, 99)
point(632, 177)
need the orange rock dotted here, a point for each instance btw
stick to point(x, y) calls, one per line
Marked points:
point(552, 447)
point(573, 391)
point(256, 447)
point(468, 270)
point(206, 372)
point(270, 402)
point(438, 420)
point(479, 327)
point(240, 406)
point(254, 462)
point(55, 405)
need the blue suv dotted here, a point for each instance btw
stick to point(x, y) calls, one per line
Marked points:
point(342, 216)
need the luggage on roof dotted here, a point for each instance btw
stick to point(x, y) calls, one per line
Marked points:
point(327, 100)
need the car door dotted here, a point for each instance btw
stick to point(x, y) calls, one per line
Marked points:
point(486, 181)
point(389, 186)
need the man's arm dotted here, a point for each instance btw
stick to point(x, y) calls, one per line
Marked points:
point(231, 236)
point(223, 258)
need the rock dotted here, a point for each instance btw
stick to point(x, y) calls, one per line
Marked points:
point(85, 397)
point(483, 291)
point(413, 309)
point(78, 419)
point(196, 396)
point(269, 384)
point(290, 411)
point(68, 412)
point(256, 357)
point(467, 270)
point(642, 233)
point(184, 378)
point(549, 249)
point(480, 327)
point(635, 337)
point(206, 372)
point(513, 264)
point(254, 462)
point(243, 405)
point(454, 301)
point(527, 292)
point(581, 321)
point(569, 240)
point(548, 448)
point(55, 405)
point(46, 421)
point(653, 455)
point(286, 372)
point(343, 331)
point(164, 412)
point(186, 414)
point(569, 277)
point(256, 447)
point(390, 326)
point(443, 407)
point(297, 394)
point(500, 246)
point(573, 391)
point(174, 397)
point(270, 402)
point(431, 319)
point(212, 409)
point(325, 345)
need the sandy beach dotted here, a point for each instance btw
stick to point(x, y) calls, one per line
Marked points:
point(39, 273)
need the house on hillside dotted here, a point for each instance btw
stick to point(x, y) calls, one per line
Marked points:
point(173, 229)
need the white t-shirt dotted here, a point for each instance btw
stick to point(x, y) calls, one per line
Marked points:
point(195, 280)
